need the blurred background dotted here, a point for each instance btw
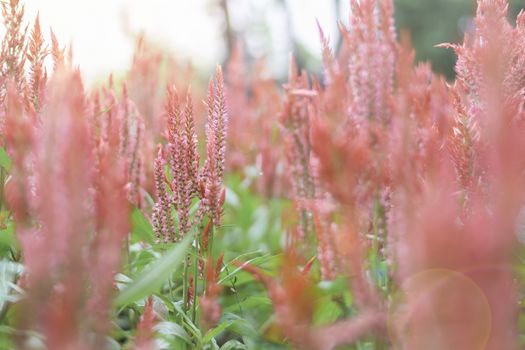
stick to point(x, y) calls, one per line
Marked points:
point(203, 32)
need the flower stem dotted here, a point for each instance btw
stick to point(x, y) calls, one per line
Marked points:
point(195, 280)
point(185, 285)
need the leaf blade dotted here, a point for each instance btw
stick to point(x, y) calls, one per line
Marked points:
point(151, 280)
point(5, 161)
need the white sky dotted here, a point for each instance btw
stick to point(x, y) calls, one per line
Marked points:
point(190, 28)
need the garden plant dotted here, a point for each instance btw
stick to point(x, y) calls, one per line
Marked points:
point(377, 205)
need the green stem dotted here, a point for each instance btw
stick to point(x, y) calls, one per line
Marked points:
point(195, 280)
point(209, 252)
point(170, 286)
point(185, 285)
point(185, 292)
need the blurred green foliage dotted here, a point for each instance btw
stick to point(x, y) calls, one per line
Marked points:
point(431, 22)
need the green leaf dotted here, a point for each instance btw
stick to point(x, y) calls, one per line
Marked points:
point(232, 322)
point(166, 302)
point(112, 344)
point(240, 325)
point(326, 312)
point(152, 279)
point(141, 229)
point(233, 345)
point(172, 329)
point(257, 261)
point(194, 330)
point(211, 346)
point(249, 303)
point(216, 331)
point(7, 236)
point(337, 286)
point(5, 161)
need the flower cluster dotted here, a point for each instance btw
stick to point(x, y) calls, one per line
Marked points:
point(188, 180)
point(413, 168)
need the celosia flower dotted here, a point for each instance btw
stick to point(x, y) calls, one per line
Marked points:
point(216, 129)
point(189, 181)
point(182, 157)
point(58, 53)
point(13, 45)
point(144, 339)
point(162, 220)
point(70, 212)
point(211, 310)
point(295, 120)
point(36, 55)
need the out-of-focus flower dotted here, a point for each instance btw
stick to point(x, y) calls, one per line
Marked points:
point(144, 339)
point(73, 223)
point(211, 309)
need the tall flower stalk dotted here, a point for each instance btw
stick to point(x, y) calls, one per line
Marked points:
point(181, 182)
